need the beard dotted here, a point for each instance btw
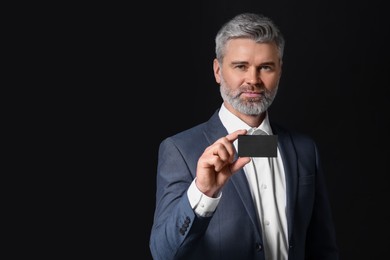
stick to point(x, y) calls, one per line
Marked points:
point(251, 106)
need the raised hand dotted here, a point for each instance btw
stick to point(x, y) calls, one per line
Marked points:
point(216, 165)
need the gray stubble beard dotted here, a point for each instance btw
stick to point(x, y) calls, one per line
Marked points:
point(248, 107)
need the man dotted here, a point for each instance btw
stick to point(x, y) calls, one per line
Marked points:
point(212, 204)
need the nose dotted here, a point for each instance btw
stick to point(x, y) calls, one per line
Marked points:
point(253, 76)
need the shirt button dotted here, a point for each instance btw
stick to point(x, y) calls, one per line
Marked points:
point(267, 222)
point(259, 247)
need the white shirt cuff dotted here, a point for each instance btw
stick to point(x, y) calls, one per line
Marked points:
point(202, 204)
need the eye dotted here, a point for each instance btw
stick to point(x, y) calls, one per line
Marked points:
point(266, 68)
point(240, 67)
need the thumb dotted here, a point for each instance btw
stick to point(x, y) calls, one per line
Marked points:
point(239, 164)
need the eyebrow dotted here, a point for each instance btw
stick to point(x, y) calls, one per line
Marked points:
point(267, 63)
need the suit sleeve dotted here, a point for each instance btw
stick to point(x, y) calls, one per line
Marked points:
point(321, 237)
point(176, 228)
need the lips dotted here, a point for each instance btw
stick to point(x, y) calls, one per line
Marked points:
point(252, 94)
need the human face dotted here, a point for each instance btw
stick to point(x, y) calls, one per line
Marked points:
point(249, 75)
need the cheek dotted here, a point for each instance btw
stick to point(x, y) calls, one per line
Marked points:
point(271, 82)
point(233, 80)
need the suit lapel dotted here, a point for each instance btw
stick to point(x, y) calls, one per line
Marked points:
point(214, 131)
point(240, 182)
point(290, 164)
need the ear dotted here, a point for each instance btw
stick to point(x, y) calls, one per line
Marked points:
point(217, 69)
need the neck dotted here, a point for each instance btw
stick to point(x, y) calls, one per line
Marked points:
point(251, 120)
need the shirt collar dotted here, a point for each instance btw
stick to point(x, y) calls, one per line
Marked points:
point(233, 123)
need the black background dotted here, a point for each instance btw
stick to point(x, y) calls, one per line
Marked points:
point(333, 87)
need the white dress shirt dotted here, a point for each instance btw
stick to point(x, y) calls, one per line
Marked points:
point(267, 184)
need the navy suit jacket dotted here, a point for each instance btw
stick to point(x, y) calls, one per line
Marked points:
point(233, 232)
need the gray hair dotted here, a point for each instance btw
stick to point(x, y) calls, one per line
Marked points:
point(249, 26)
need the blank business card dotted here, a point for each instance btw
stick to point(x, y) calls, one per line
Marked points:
point(257, 145)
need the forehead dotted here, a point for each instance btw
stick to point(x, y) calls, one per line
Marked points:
point(247, 49)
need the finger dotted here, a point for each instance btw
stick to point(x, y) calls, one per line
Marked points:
point(239, 164)
point(233, 136)
point(219, 164)
point(223, 149)
point(212, 162)
point(227, 145)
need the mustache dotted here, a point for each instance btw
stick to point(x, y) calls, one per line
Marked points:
point(253, 88)
point(259, 89)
